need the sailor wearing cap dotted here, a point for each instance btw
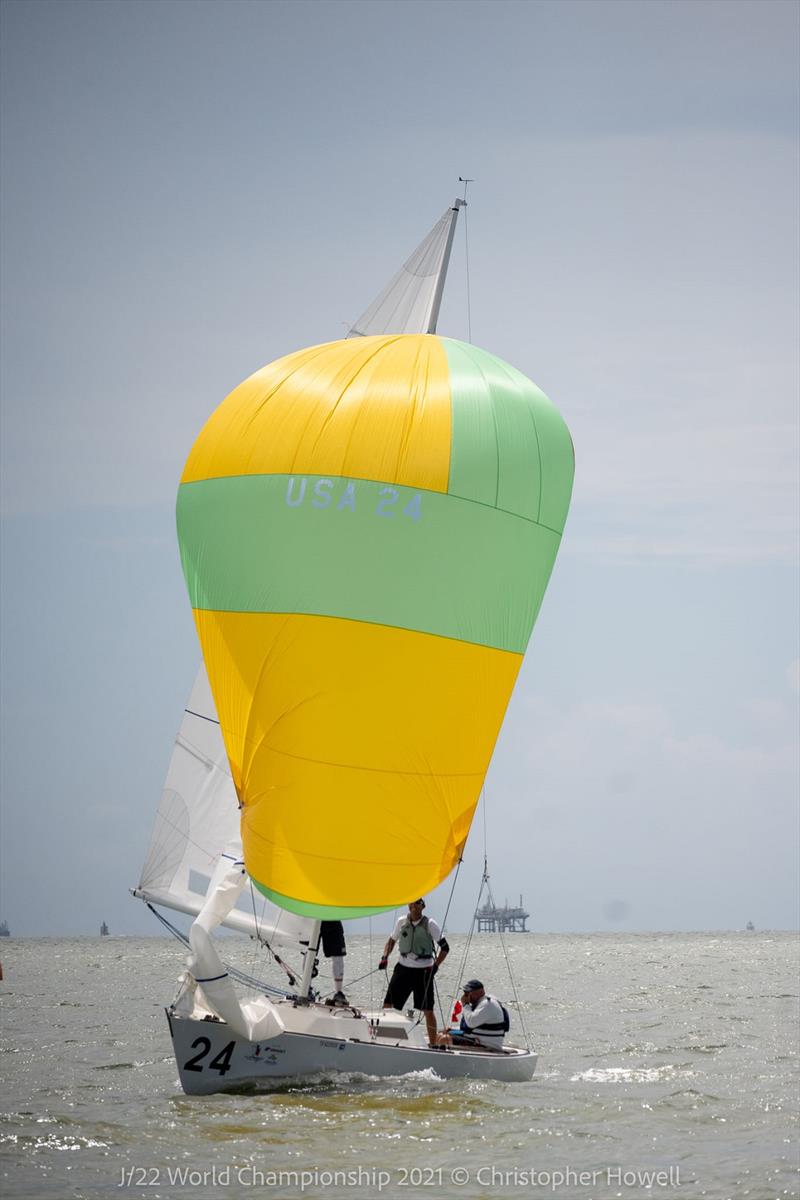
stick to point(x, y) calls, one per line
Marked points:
point(484, 1020)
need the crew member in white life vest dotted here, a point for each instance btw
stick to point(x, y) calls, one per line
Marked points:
point(417, 937)
point(484, 1020)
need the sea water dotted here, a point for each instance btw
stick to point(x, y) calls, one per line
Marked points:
point(668, 1068)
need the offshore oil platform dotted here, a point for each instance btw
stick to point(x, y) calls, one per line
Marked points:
point(493, 919)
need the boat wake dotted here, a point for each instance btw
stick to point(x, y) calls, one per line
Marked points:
point(626, 1074)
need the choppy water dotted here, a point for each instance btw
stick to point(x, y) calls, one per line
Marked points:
point(658, 1053)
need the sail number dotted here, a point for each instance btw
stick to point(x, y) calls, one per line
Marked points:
point(341, 496)
point(221, 1063)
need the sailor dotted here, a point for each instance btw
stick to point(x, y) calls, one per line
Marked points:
point(484, 1020)
point(334, 948)
point(417, 937)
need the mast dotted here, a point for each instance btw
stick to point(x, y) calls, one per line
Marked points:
point(437, 295)
point(310, 960)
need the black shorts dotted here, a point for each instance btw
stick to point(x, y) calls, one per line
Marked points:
point(406, 981)
point(333, 939)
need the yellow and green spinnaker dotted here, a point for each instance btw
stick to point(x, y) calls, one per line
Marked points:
point(367, 529)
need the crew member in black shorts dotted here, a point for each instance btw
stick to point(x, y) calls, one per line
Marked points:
point(417, 937)
point(334, 948)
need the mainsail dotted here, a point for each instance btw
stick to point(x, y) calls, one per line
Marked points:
point(410, 301)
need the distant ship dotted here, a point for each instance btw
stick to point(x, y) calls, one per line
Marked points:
point(104, 930)
point(4, 930)
point(750, 927)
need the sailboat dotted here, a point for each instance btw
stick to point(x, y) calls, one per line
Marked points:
point(367, 528)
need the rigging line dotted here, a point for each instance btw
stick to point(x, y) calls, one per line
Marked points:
point(485, 841)
point(240, 976)
point(260, 941)
point(491, 900)
point(450, 900)
point(466, 256)
point(202, 716)
point(443, 927)
point(372, 972)
point(255, 914)
point(438, 995)
point(366, 975)
point(168, 924)
point(484, 879)
point(510, 972)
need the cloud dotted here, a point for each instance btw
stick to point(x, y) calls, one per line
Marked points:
point(621, 744)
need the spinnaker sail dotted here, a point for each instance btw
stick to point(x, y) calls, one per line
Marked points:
point(367, 528)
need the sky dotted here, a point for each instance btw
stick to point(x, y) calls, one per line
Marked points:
point(191, 190)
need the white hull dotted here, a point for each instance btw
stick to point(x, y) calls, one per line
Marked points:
point(318, 1040)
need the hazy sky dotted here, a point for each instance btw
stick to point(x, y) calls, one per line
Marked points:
point(193, 189)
